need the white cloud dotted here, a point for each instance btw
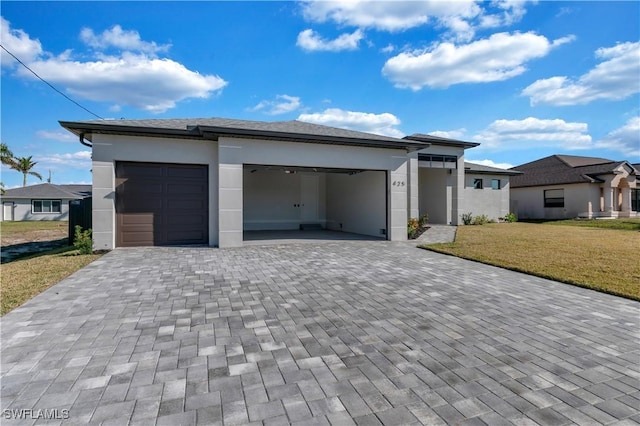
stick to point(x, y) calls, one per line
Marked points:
point(312, 41)
point(281, 105)
point(121, 39)
point(76, 160)
point(58, 135)
point(450, 134)
point(391, 16)
point(499, 57)
point(625, 139)
point(459, 18)
point(491, 163)
point(17, 42)
point(388, 48)
point(382, 124)
point(616, 77)
point(131, 78)
point(534, 132)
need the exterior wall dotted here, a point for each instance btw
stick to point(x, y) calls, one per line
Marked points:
point(22, 210)
point(357, 203)
point(578, 198)
point(435, 194)
point(441, 190)
point(107, 149)
point(234, 152)
point(491, 202)
point(271, 200)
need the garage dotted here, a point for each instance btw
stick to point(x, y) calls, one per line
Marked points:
point(161, 204)
point(290, 198)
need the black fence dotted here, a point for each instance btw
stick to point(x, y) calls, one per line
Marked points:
point(79, 214)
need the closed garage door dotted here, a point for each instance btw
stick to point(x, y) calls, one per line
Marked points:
point(161, 204)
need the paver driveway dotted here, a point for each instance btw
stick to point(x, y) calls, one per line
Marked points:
point(364, 332)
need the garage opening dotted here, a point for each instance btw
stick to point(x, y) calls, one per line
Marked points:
point(314, 203)
point(161, 204)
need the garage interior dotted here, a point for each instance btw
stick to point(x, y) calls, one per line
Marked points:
point(314, 203)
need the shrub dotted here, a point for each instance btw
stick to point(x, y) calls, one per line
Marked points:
point(511, 217)
point(467, 218)
point(82, 240)
point(423, 220)
point(480, 220)
point(413, 226)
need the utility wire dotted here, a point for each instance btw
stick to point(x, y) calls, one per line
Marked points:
point(49, 84)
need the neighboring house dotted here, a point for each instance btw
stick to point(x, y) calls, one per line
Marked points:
point(45, 201)
point(208, 181)
point(487, 190)
point(568, 186)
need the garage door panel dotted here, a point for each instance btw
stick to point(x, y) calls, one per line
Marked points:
point(161, 204)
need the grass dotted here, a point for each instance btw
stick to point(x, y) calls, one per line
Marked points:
point(22, 279)
point(631, 224)
point(596, 258)
point(20, 227)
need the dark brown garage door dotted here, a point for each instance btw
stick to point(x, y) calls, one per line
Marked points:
point(161, 204)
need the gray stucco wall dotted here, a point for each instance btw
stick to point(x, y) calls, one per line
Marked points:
point(491, 202)
point(22, 211)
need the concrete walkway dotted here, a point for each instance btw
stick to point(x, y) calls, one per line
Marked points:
point(349, 332)
point(437, 234)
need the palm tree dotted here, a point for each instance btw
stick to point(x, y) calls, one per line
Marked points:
point(24, 166)
point(6, 155)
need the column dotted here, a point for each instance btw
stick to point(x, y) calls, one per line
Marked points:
point(397, 184)
point(608, 199)
point(413, 183)
point(229, 195)
point(626, 200)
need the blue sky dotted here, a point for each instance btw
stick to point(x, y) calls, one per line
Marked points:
point(525, 79)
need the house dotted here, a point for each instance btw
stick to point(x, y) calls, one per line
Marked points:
point(487, 190)
point(45, 201)
point(568, 186)
point(211, 181)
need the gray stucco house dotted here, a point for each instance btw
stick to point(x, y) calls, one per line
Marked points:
point(212, 180)
point(44, 201)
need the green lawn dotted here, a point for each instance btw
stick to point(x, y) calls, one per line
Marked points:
point(22, 279)
point(576, 252)
point(20, 227)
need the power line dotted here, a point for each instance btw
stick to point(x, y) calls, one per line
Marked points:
point(49, 84)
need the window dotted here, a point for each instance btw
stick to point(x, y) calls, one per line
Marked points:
point(554, 197)
point(439, 161)
point(635, 200)
point(477, 183)
point(495, 184)
point(46, 206)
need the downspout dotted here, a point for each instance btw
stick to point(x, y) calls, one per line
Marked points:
point(83, 142)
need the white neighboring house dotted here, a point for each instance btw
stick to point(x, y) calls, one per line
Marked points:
point(569, 186)
point(44, 201)
point(487, 190)
point(210, 181)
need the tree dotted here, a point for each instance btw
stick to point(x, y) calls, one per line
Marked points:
point(7, 156)
point(24, 166)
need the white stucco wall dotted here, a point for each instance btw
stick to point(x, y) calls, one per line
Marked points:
point(357, 203)
point(435, 194)
point(491, 202)
point(22, 211)
point(107, 149)
point(578, 199)
point(272, 199)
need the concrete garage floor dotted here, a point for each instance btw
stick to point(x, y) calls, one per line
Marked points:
point(309, 236)
point(348, 332)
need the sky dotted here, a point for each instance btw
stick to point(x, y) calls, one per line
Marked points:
point(525, 79)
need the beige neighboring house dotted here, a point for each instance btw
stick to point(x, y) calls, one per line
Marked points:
point(44, 201)
point(568, 186)
point(213, 180)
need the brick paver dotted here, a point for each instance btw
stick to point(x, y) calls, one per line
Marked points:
point(349, 332)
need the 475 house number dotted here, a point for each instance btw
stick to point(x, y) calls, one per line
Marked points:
point(397, 183)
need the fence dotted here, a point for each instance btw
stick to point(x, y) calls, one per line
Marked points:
point(79, 214)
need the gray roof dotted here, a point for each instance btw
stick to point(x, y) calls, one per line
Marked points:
point(49, 191)
point(480, 169)
point(437, 140)
point(212, 128)
point(565, 169)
